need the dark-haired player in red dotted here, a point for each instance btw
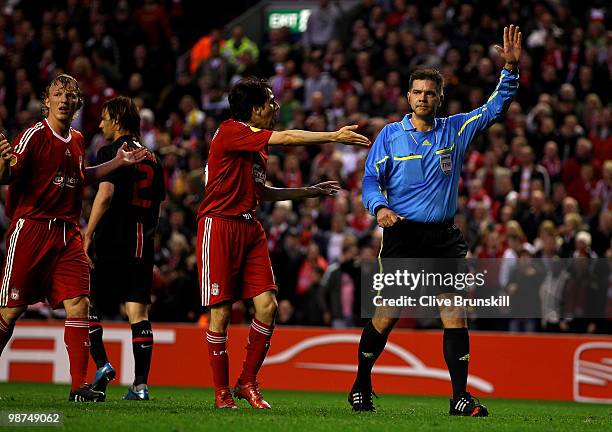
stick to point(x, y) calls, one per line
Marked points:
point(45, 257)
point(234, 262)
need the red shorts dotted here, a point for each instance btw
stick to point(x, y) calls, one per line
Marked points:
point(44, 260)
point(234, 262)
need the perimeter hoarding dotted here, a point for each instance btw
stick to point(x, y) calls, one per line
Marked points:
point(535, 366)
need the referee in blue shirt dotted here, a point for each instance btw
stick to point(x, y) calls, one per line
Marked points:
point(418, 162)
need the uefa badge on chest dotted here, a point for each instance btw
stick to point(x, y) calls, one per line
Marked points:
point(446, 164)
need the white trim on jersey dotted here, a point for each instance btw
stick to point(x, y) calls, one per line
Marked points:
point(8, 265)
point(206, 262)
point(25, 138)
point(58, 136)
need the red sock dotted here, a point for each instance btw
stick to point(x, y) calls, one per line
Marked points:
point(219, 360)
point(257, 348)
point(76, 338)
point(6, 331)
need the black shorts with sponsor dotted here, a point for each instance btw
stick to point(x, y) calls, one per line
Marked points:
point(441, 241)
point(116, 281)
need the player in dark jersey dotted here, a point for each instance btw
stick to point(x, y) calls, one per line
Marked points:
point(119, 244)
point(233, 258)
point(45, 259)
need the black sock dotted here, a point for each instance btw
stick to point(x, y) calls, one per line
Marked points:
point(457, 357)
point(371, 345)
point(96, 347)
point(142, 344)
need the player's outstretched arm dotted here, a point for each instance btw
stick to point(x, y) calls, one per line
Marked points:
point(124, 158)
point(328, 188)
point(6, 153)
point(345, 135)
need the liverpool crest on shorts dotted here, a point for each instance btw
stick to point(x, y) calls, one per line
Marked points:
point(14, 294)
point(215, 289)
point(446, 163)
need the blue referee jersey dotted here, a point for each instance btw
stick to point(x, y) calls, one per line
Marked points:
point(420, 171)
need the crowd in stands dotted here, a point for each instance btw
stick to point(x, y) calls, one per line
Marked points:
point(537, 184)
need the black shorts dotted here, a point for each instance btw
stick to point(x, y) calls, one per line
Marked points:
point(118, 281)
point(442, 243)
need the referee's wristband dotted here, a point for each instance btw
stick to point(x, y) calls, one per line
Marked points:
point(378, 208)
point(511, 67)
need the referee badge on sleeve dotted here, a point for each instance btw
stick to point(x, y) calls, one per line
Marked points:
point(446, 163)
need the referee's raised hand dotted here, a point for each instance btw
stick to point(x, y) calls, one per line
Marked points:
point(386, 217)
point(347, 135)
point(511, 51)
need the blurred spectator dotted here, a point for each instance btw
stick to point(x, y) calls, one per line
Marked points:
point(240, 50)
point(523, 289)
point(322, 24)
point(528, 172)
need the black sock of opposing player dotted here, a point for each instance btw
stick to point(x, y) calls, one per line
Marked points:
point(142, 344)
point(96, 347)
point(371, 345)
point(457, 357)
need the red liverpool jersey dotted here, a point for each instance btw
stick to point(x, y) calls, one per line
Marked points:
point(47, 175)
point(235, 171)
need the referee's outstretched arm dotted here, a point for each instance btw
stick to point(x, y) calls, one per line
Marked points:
point(470, 124)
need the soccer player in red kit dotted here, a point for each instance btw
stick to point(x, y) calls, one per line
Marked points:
point(234, 262)
point(45, 258)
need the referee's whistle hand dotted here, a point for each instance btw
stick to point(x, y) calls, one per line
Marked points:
point(386, 217)
point(347, 135)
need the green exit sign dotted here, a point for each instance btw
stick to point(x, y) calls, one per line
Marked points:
point(294, 19)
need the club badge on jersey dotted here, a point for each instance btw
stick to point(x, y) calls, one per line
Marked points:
point(446, 164)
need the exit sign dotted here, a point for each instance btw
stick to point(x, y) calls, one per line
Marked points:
point(294, 19)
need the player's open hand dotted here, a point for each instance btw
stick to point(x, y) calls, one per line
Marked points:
point(386, 217)
point(130, 157)
point(328, 188)
point(6, 151)
point(511, 51)
point(348, 136)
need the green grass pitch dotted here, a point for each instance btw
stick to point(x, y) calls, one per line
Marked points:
point(190, 409)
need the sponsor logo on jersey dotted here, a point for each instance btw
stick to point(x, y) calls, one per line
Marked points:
point(259, 174)
point(71, 182)
point(68, 152)
point(58, 180)
point(61, 180)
